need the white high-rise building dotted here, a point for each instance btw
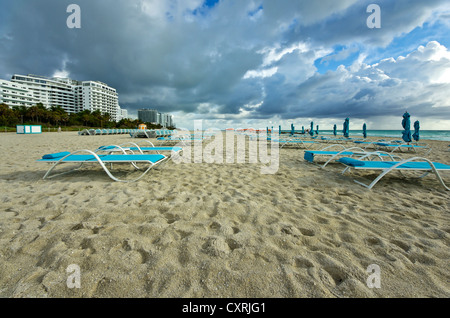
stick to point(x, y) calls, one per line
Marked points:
point(122, 114)
point(149, 116)
point(155, 117)
point(99, 96)
point(73, 96)
point(51, 91)
point(15, 94)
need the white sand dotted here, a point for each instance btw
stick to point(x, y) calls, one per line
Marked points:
point(211, 230)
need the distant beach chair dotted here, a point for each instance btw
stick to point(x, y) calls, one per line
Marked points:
point(182, 139)
point(392, 147)
point(133, 147)
point(92, 157)
point(336, 139)
point(298, 143)
point(143, 133)
point(309, 155)
point(411, 164)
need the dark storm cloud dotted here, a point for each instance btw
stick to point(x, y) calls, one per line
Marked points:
point(239, 57)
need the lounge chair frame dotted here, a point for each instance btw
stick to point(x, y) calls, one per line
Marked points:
point(355, 152)
point(133, 147)
point(398, 167)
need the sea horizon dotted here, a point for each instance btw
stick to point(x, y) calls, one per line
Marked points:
point(440, 135)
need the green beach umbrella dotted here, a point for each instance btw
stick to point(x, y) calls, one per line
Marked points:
point(416, 134)
point(334, 129)
point(317, 129)
point(311, 131)
point(406, 123)
point(346, 129)
point(364, 130)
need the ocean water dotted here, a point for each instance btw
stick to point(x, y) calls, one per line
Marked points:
point(443, 135)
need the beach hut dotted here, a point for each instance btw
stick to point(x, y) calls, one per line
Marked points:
point(28, 129)
point(406, 123)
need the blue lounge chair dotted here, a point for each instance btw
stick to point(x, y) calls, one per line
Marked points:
point(296, 143)
point(310, 155)
point(331, 139)
point(182, 139)
point(92, 157)
point(133, 147)
point(400, 146)
point(411, 164)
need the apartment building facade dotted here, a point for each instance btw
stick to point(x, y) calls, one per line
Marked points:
point(73, 96)
point(155, 117)
point(99, 96)
point(14, 94)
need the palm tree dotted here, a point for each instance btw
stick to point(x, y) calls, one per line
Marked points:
point(20, 112)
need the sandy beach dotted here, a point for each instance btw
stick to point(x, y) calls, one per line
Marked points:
point(217, 230)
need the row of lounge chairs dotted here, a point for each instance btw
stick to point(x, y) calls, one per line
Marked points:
point(93, 132)
point(135, 133)
point(354, 158)
point(151, 133)
point(375, 145)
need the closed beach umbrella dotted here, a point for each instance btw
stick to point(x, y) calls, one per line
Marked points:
point(406, 123)
point(364, 130)
point(317, 129)
point(303, 129)
point(346, 127)
point(279, 130)
point(311, 131)
point(416, 135)
point(292, 129)
point(334, 129)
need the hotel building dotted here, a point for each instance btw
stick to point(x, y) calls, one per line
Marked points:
point(73, 96)
point(14, 94)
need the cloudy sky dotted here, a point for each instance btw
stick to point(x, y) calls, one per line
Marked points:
point(245, 63)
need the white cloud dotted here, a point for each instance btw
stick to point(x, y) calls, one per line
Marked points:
point(261, 73)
